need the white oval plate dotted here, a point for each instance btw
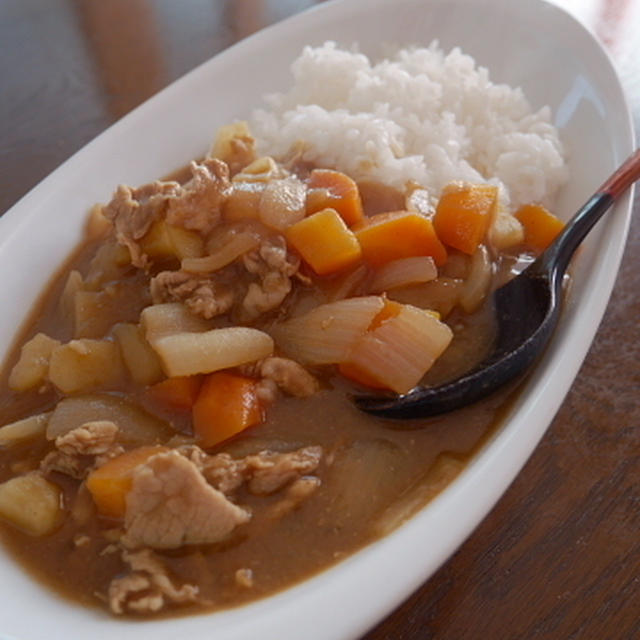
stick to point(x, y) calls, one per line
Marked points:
point(532, 44)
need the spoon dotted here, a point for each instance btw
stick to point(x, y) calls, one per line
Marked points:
point(527, 309)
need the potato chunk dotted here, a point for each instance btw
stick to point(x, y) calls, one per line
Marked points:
point(98, 225)
point(159, 320)
point(185, 354)
point(109, 263)
point(235, 145)
point(30, 503)
point(67, 302)
point(25, 429)
point(91, 319)
point(505, 232)
point(33, 365)
point(164, 240)
point(141, 360)
point(85, 364)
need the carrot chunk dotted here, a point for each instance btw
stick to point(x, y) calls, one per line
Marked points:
point(390, 310)
point(334, 190)
point(227, 404)
point(325, 242)
point(464, 213)
point(179, 392)
point(540, 226)
point(399, 234)
point(110, 483)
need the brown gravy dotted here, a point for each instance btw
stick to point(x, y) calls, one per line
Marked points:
point(373, 477)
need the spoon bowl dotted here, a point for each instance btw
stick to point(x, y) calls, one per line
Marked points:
point(526, 310)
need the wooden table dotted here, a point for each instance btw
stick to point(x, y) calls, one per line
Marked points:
point(559, 556)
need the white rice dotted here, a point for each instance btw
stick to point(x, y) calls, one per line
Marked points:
point(421, 115)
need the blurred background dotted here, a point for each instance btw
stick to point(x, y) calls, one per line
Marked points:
point(70, 68)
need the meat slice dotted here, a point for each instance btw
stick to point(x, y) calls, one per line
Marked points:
point(133, 211)
point(92, 438)
point(266, 391)
point(221, 470)
point(270, 471)
point(83, 448)
point(296, 493)
point(290, 376)
point(280, 373)
point(236, 146)
point(147, 588)
point(274, 255)
point(243, 152)
point(72, 466)
point(194, 206)
point(203, 296)
point(170, 504)
point(244, 578)
point(265, 472)
point(197, 205)
point(267, 295)
point(274, 266)
point(134, 588)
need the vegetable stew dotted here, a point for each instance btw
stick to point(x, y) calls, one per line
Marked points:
point(177, 431)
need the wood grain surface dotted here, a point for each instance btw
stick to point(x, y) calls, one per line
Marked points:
point(559, 556)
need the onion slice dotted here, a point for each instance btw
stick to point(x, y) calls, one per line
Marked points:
point(238, 245)
point(402, 349)
point(326, 334)
point(478, 281)
point(402, 272)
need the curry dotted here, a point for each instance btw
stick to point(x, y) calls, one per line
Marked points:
point(178, 432)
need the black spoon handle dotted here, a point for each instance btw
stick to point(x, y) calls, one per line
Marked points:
point(556, 258)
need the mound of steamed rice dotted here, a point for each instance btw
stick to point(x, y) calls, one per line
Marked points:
point(421, 115)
